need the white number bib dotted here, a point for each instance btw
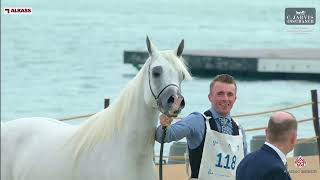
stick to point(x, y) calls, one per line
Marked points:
point(221, 155)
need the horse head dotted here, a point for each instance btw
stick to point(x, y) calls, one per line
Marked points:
point(166, 71)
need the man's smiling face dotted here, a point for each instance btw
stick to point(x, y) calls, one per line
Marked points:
point(222, 97)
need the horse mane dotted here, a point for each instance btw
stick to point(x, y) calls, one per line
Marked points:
point(104, 124)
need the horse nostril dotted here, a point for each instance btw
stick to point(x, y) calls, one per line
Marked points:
point(182, 104)
point(171, 100)
point(177, 111)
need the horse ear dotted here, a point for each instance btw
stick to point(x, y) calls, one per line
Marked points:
point(180, 48)
point(151, 48)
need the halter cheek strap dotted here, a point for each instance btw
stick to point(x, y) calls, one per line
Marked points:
point(156, 97)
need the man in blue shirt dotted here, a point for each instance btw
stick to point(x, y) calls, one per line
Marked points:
point(217, 150)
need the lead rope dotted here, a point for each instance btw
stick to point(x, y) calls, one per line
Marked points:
point(164, 131)
point(175, 106)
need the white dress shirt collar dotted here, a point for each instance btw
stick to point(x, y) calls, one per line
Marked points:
point(280, 153)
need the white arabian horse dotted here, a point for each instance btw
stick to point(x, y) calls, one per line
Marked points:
point(114, 144)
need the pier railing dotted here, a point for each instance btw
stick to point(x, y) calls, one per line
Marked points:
point(315, 118)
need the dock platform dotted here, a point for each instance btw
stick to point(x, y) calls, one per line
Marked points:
point(281, 63)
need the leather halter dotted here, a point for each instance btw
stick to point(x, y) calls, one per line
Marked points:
point(153, 94)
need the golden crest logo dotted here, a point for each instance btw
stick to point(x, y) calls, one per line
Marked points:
point(17, 10)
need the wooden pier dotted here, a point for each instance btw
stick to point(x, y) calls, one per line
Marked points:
point(258, 63)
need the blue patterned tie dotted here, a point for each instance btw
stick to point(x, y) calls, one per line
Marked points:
point(225, 125)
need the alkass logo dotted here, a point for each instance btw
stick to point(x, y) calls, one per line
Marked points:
point(17, 10)
point(300, 162)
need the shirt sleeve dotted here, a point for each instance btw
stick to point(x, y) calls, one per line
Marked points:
point(191, 127)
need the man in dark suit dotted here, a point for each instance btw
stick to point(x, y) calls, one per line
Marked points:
point(269, 162)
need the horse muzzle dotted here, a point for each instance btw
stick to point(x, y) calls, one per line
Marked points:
point(171, 102)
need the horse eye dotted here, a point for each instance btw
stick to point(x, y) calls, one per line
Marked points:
point(156, 71)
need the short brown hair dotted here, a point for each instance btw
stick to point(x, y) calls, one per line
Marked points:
point(224, 78)
point(278, 131)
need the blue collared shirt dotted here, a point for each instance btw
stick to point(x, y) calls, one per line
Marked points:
point(192, 128)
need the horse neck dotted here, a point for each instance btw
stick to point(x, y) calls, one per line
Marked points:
point(139, 139)
point(141, 118)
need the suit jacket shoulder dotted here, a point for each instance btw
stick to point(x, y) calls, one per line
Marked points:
point(264, 164)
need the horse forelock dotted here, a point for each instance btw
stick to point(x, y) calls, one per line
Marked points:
point(177, 62)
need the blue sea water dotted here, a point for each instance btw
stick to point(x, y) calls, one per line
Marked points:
point(67, 56)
